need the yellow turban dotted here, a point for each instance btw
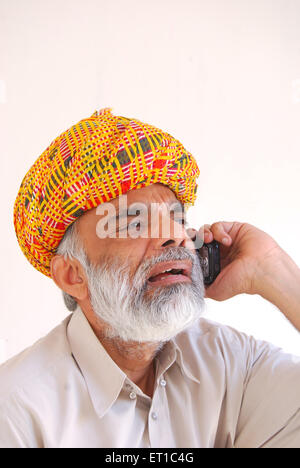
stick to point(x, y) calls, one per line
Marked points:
point(95, 161)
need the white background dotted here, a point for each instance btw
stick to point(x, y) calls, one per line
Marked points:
point(222, 76)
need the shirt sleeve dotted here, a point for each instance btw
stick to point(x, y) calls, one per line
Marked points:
point(270, 410)
point(10, 436)
point(17, 427)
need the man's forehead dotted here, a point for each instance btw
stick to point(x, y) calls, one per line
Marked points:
point(155, 192)
point(145, 198)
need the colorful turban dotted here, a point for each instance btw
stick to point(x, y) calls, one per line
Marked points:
point(93, 162)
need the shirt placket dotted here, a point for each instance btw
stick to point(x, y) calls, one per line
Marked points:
point(159, 421)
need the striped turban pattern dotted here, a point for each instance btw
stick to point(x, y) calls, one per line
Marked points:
point(93, 162)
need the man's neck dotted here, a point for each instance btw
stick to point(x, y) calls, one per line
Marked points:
point(136, 360)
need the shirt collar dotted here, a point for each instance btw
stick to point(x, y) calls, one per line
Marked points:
point(185, 365)
point(187, 344)
point(104, 379)
point(172, 352)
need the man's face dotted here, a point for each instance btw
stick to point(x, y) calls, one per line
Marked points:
point(145, 279)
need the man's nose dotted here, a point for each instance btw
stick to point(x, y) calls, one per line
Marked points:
point(171, 233)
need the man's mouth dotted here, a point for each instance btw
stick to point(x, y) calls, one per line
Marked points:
point(170, 272)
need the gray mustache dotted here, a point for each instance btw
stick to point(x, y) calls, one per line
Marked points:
point(172, 253)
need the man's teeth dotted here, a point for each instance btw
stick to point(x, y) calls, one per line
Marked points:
point(174, 270)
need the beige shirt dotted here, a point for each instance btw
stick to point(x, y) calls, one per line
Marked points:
point(215, 387)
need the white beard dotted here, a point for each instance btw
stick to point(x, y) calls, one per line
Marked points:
point(133, 312)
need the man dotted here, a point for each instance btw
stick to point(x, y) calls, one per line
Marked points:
point(101, 212)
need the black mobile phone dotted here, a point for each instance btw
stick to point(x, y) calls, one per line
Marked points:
point(209, 255)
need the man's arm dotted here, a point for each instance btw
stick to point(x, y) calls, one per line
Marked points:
point(278, 281)
point(253, 263)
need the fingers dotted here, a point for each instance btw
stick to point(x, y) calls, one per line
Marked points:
point(202, 233)
point(218, 231)
point(208, 236)
point(222, 231)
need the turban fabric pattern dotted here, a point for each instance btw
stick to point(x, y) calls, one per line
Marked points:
point(93, 162)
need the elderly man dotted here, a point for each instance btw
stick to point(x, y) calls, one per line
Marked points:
point(101, 212)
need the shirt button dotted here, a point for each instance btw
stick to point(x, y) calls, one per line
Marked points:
point(154, 415)
point(163, 383)
point(132, 396)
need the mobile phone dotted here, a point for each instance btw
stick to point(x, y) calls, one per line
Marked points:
point(209, 255)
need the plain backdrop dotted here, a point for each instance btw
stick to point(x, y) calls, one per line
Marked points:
point(222, 76)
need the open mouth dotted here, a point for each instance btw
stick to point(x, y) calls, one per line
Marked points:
point(170, 272)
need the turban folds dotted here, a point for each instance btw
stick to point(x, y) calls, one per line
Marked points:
point(96, 160)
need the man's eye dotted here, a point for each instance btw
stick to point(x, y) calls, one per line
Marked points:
point(136, 224)
point(180, 220)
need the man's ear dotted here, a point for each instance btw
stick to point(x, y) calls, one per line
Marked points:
point(69, 276)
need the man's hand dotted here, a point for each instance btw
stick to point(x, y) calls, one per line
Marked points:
point(253, 263)
point(243, 250)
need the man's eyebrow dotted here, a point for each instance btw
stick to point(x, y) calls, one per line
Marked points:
point(178, 206)
point(175, 206)
point(124, 214)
